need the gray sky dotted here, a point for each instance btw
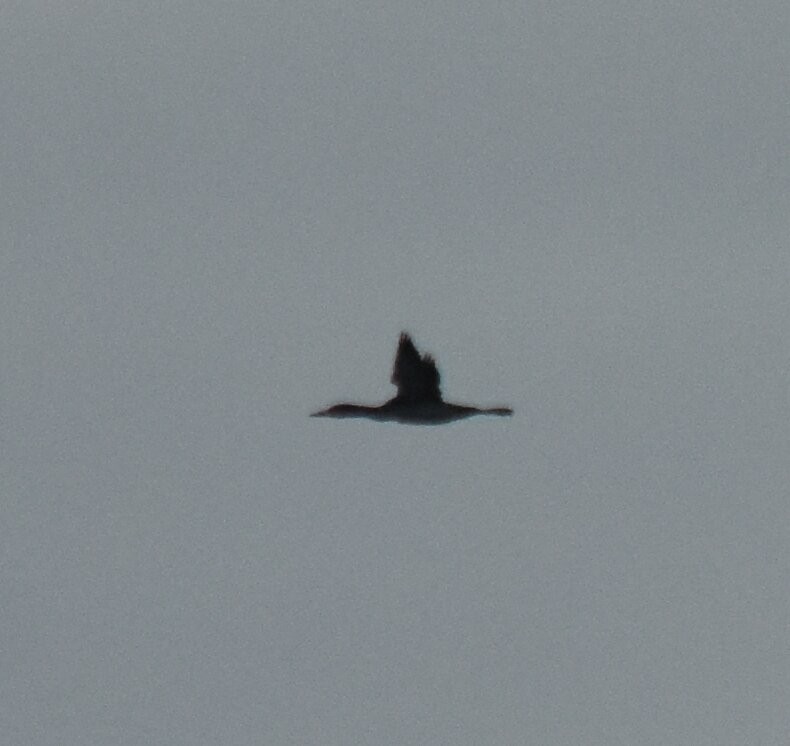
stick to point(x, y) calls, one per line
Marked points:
point(217, 218)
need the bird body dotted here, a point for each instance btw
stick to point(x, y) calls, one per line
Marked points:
point(419, 399)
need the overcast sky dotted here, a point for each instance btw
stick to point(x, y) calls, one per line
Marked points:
point(217, 218)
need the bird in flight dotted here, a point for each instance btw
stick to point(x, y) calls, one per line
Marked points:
point(419, 398)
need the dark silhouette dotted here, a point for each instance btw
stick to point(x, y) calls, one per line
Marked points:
point(419, 399)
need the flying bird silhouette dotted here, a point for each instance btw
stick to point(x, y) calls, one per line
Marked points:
point(419, 398)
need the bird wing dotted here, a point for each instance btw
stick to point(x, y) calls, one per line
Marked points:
point(416, 377)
